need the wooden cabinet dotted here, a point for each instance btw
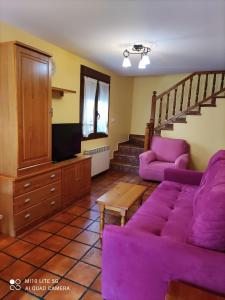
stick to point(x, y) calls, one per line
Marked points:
point(25, 120)
point(30, 199)
point(76, 181)
point(34, 105)
point(31, 186)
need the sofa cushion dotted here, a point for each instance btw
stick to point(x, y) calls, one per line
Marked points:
point(167, 149)
point(167, 212)
point(208, 228)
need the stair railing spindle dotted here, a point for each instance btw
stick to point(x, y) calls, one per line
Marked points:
point(182, 97)
point(206, 86)
point(167, 105)
point(222, 81)
point(214, 84)
point(175, 101)
point(197, 89)
point(160, 111)
point(189, 94)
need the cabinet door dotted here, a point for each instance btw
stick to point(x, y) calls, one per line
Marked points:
point(85, 177)
point(34, 103)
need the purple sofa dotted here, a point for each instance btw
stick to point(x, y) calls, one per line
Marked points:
point(177, 234)
point(164, 153)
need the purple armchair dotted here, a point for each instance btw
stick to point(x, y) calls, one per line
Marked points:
point(164, 153)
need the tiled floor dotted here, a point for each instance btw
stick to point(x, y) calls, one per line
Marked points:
point(64, 252)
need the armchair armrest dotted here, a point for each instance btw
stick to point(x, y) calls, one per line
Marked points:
point(183, 176)
point(147, 157)
point(182, 161)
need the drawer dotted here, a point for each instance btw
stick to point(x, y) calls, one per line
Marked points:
point(26, 200)
point(29, 184)
point(52, 204)
point(28, 215)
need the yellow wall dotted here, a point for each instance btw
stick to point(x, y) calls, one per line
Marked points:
point(205, 133)
point(68, 76)
point(142, 96)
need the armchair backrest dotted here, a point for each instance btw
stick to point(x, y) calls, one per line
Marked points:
point(167, 149)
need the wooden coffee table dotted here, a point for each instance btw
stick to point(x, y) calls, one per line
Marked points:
point(120, 199)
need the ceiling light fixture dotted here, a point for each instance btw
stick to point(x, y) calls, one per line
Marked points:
point(137, 49)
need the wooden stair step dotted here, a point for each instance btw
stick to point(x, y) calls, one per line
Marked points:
point(180, 120)
point(193, 113)
point(123, 167)
point(167, 127)
point(208, 105)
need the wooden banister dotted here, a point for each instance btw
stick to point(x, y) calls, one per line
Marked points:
point(168, 100)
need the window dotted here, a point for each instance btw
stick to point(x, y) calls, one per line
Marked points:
point(94, 103)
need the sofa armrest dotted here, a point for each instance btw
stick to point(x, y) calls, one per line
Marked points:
point(150, 262)
point(147, 157)
point(182, 161)
point(183, 176)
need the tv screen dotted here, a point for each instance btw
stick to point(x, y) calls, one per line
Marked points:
point(66, 141)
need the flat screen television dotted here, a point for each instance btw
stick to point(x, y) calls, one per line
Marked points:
point(66, 141)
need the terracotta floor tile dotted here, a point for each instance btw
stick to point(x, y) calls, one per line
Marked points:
point(18, 269)
point(74, 293)
point(87, 237)
point(94, 227)
point(59, 264)
point(69, 232)
point(51, 226)
point(5, 260)
point(93, 257)
point(20, 295)
point(5, 241)
point(75, 250)
point(97, 284)
point(90, 295)
point(55, 243)
point(43, 279)
point(76, 210)
point(63, 218)
point(81, 222)
point(98, 244)
point(83, 273)
point(86, 203)
point(91, 214)
point(19, 248)
point(4, 288)
point(36, 236)
point(38, 256)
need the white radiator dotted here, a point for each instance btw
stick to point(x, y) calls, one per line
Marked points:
point(100, 159)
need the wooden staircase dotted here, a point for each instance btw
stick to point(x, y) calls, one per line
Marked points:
point(126, 158)
point(187, 97)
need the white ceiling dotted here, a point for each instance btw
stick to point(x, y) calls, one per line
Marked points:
point(187, 35)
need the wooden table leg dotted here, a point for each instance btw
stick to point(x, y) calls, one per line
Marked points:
point(102, 210)
point(123, 217)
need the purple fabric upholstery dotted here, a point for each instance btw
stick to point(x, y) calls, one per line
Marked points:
point(209, 207)
point(164, 153)
point(153, 248)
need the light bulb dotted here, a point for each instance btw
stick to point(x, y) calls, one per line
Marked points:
point(126, 62)
point(146, 59)
point(141, 64)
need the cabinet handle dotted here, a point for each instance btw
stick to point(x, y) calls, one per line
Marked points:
point(27, 200)
point(52, 190)
point(53, 203)
point(27, 184)
point(27, 216)
point(52, 176)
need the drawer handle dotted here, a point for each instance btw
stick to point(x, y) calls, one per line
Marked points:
point(27, 200)
point(53, 203)
point(27, 216)
point(52, 176)
point(27, 184)
point(52, 190)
